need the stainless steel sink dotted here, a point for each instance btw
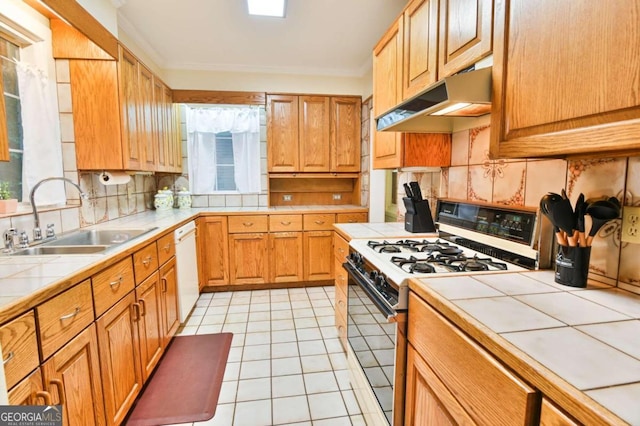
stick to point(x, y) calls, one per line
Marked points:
point(91, 241)
point(98, 237)
point(48, 250)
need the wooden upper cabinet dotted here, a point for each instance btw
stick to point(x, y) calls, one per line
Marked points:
point(314, 133)
point(387, 69)
point(161, 143)
point(129, 77)
point(282, 133)
point(465, 34)
point(563, 89)
point(4, 131)
point(420, 56)
point(345, 134)
point(146, 119)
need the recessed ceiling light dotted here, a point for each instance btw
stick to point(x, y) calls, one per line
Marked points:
point(267, 7)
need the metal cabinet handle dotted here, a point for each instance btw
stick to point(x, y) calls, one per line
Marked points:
point(247, 224)
point(8, 358)
point(46, 396)
point(285, 223)
point(146, 261)
point(58, 384)
point(319, 222)
point(341, 302)
point(352, 221)
point(167, 247)
point(71, 315)
point(116, 282)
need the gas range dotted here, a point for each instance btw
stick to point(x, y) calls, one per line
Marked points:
point(472, 239)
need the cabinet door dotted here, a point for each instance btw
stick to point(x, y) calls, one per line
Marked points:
point(30, 391)
point(145, 119)
point(282, 133)
point(160, 127)
point(562, 89)
point(248, 258)
point(465, 34)
point(148, 297)
point(314, 133)
point(552, 415)
point(128, 75)
point(19, 343)
point(420, 57)
point(97, 140)
point(73, 379)
point(213, 251)
point(4, 131)
point(169, 281)
point(119, 358)
point(318, 255)
point(387, 69)
point(285, 257)
point(345, 134)
point(428, 401)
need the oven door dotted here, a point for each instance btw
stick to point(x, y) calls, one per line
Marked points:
point(376, 336)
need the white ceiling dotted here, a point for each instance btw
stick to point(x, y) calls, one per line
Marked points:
point(318, 37)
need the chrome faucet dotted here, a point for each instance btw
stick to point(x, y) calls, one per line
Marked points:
point(7, 237)
point(37, 232)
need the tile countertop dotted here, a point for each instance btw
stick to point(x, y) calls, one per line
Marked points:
point(26, 281)
point(580, 347)
point(378, 230)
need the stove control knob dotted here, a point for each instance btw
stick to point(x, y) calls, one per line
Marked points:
point(374, 275)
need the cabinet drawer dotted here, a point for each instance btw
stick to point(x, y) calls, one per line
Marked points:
point(253, 223)
point(319, 222)
point(285, 222)
point(340, 248)
point(111, 284)
point(19, 348)
point(145, 262)
point(351, 217)
point(64, 316)
point(166, 248)
point(478, 380)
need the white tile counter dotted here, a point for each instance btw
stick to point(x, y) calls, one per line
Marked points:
point(572, 341)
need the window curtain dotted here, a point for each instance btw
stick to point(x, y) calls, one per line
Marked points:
point(202, 125)
point(41, 135)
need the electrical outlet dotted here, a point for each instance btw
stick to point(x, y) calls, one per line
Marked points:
point(337, 196)
point(287, 197)
point(631, 224)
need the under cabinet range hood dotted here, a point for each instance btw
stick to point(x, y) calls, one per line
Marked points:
point(460, 97)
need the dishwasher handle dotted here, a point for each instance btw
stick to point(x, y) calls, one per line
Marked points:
point(184, 236)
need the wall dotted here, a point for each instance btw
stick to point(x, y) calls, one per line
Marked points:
point(474, 176)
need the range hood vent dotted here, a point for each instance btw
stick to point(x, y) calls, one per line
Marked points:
point(463, 96)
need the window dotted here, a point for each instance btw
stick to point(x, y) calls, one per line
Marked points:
point(223, 149)
point(11, 171)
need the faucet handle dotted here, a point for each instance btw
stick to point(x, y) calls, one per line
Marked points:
point(51, 232)
point(24, 239)
point(37, 234)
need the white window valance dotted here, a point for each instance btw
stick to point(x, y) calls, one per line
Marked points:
point(223, 119)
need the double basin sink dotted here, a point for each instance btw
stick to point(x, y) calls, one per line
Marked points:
point(94, 241)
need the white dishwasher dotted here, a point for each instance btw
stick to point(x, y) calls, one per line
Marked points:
point(187, 268)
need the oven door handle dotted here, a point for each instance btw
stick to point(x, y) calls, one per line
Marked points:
point(389, 313)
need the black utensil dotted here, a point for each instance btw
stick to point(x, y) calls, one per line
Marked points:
point(580, 210)
point(407, 190)
point(415, 190)
point(601, 212)
point(545, 203)
point(562, 212)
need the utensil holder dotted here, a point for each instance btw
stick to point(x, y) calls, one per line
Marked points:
point(572, 266)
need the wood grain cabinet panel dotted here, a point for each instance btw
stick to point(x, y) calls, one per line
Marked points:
point(146, 119)
point(282, 133)
point(63, 317)
point(314, 130)
point(159, 124)
point(420, 43)
point(72, 377)
point(112, 284)
point(128, 86)
point(19, 348)
point(169, 298)
point(541, 104)
point(4, 131)
point(345, 134)
point(145, 262)
point(318, 255)
point(30, 391)
point(249, 258)
point(166, 248)
point(466, 34)
point(552, 415)
point(248, 223)
point(119, 358)
point(149, 319)
point(318, 221)
point(486, 390)
point(213, 250)
point(351, 217)
point(286, 257)
point(285, 222)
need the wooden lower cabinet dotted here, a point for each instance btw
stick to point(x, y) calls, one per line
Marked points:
point(248, 258)
point(318, 255)
point(119, 358)
point(286, 257)
point(169, 299)
point(29, 391)
point(72, 377)
point(148, 314)
point(428, 401)
point(213, 250)
point(552, 415)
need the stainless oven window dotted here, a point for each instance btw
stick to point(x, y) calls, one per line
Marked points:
point(373, 340)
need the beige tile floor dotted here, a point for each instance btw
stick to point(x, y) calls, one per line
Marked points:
point(286, 365)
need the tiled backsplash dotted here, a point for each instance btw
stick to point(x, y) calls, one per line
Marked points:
point(473, 176)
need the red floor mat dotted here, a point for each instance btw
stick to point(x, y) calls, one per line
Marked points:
point(186, 385)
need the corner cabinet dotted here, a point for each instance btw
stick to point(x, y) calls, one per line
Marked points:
point(561, 90)
point(312, 133)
